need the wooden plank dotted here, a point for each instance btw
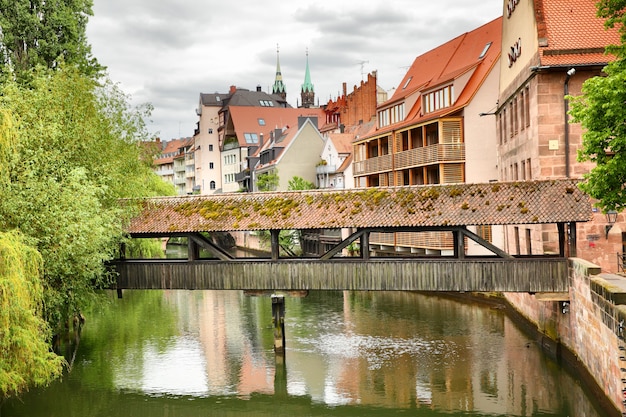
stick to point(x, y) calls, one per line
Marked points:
point(517, 275)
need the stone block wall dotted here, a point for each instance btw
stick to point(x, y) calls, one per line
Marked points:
point(588, 325)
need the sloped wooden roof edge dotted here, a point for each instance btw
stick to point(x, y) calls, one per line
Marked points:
point(526, 202)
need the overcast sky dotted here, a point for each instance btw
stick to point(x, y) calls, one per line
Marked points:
point(167, 52)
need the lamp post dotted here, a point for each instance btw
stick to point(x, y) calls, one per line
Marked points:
point(611, 218)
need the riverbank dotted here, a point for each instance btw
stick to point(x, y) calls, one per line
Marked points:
point(582, 333)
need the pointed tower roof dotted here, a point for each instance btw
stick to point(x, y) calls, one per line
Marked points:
point(307, 87)
point(279, 87)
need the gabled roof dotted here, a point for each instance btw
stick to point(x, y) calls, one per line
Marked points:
point(213, 99)
point(570, 33)
point(245, 97)
point(527, 202)
point(245, 119)
point(342, 142)
point(172, 147)
point(473, 54)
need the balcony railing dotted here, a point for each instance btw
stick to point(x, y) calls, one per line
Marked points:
point(326, 169)
point(426, 155)
point(373, 165)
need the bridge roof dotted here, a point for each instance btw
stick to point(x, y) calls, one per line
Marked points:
point(528, 202)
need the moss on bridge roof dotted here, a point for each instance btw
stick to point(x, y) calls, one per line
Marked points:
point(528, 202)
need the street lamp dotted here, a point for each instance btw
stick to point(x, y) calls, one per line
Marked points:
point(611, 218)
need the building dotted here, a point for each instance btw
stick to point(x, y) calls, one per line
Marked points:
point(290, 150)
point(207, 150)
point(431, 131)
point(248, 130)
point(549, 49)
point(173, 164)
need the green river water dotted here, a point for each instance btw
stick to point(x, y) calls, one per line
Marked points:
point(210, 353)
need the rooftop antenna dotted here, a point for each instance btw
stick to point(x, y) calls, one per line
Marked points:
point(362, 63)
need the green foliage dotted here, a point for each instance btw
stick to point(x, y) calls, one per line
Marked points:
point(298, 183)
point(601, 112)
point(45, 33)
point(25, 356)
point(70, 149)
point(268, 181)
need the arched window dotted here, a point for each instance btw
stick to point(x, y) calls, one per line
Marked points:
point(212, 185)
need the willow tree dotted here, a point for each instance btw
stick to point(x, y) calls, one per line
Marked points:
point(77, 148)
point(601, 112)
point(25, 356)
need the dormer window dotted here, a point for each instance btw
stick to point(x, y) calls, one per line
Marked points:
point(438, 99)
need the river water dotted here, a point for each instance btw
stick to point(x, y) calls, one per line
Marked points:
point(210, 353)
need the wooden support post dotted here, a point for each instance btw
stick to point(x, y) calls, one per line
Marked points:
point(275, 243)
point(572, 240)
point(193, 250)
point(365, 245)
point(561, 228)
point(458, 239)
point(278, 320)
point(122, 251)
point(280, 376)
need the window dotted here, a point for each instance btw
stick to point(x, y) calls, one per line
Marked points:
point(251, 137)
point(210, 131)
point(211, 165)
point(522, 100)
point(527, 106)
point(484, 232)
point(212, 185)
point(210, 148)
point(261, 122)
point(266, 103)
point(406, 84)
point(438, 99)
point(529, 247)
point(484, 52)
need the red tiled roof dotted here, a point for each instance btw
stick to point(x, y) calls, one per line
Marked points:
point(573, 33)
point(246, 120)
point(445, 63)
point(554, 201)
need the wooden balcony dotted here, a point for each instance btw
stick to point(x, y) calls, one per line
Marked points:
point(422, 156)
point(373, 165)
point(429, 155)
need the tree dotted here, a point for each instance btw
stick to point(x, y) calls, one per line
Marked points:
point(25, 356)
point(267, 181)
point(46, 33)
point(298, 183)
point(601, 112)
point(69, 150)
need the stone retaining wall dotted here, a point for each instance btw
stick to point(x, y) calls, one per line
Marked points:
point(587, 325)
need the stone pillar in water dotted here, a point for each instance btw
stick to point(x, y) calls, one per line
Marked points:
point(278, 319)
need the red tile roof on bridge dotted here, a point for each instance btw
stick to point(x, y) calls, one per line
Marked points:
point(555, 201)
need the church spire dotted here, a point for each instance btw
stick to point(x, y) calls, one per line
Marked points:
point(279, 87)
point(307, 94)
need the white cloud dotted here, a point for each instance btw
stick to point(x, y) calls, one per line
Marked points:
point(168, 52)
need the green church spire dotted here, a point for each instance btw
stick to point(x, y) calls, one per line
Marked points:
point(308, 93)
point(279, 87)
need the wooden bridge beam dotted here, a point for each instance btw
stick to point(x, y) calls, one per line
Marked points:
point(275, 242)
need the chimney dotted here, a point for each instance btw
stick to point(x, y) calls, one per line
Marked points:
point(261, 140)
point(258, 88)
point(345, 89)
point(233, 88)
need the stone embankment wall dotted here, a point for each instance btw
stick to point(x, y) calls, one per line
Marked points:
point(590, 324)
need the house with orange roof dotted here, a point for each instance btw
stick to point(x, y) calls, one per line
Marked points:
point(549, 48)
point(170, 164)
point(248, 130)
point(335, 166)
point(291, 150)
point(430, 131)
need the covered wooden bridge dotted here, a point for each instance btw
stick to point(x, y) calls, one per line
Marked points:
point(444, 208)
